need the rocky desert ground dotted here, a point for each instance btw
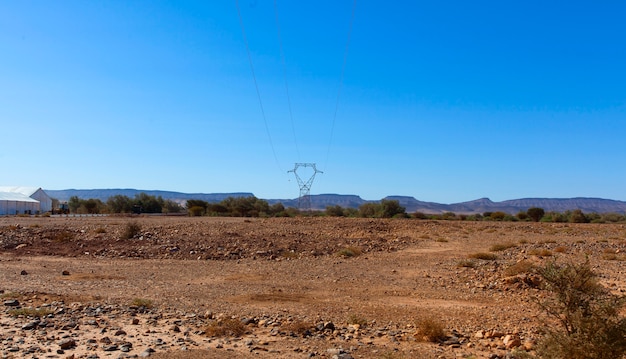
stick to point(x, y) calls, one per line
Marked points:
point(181, 287)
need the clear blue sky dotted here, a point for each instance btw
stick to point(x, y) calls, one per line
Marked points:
point(446, 101)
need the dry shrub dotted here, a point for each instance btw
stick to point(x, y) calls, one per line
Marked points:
point(10, 295)
point(131, 229)
point(430, 329)
point(299, 327)
point(540, 252)
point(547, 241)
point(611, 255)
point(356, 319)
point(521, 267)
point(589, 318)
point(390, 355)
point(226, 328)
point(30, 312)
point(484, 256)
point(63, 236)
point(349, 252)
point(142, 302)
point(466, 263)
point(501, 247)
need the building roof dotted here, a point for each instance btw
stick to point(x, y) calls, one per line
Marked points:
point(26, 191)
point(14, 196)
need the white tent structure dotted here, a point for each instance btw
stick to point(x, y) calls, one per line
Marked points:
point(20, 200)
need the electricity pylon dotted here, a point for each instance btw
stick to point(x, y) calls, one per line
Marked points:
point(304, 201)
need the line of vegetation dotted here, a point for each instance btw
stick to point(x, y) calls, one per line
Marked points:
point(255, 207)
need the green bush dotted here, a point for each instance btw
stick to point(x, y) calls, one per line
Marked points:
point(536, 213)
point(587, 320)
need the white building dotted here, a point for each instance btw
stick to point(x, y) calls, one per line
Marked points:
point(20, 200)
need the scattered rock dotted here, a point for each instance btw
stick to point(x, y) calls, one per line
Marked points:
point(12, 303)
point(67, 344)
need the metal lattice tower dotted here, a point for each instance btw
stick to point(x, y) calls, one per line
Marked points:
point(304, 201)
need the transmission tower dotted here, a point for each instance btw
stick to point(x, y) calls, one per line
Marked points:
point(304, 201)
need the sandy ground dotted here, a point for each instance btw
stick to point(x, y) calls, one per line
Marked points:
point(303, 287)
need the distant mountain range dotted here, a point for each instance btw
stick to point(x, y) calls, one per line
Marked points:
point(321, 201)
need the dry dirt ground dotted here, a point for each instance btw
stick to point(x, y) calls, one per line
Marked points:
point(71, 287)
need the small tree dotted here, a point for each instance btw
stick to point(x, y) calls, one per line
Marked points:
point(577, 216)
point(535, 213)
point(74, 203)
point(590, 323)
point(391, 208)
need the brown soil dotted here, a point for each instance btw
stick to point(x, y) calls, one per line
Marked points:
point(373, 280)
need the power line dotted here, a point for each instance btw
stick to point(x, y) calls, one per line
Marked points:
point(256, 85)
point(284, 63)
point(343, 70)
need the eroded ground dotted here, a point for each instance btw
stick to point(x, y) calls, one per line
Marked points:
point(302, 287)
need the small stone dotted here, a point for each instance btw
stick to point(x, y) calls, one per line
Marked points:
point(65, 272)
point(110, 348)
point(30, 325)
point(23, 272)
point(67, 344)
point(12, 303)
point(146, 353)
point(119, 332)
point(135, 321)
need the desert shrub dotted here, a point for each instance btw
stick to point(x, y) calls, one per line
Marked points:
point(540, 252)
point(9, 295)
point(610, 217)
point(63, 236)
point(521, 267)
point(498, 216)
point(356, 319)
point(522, 216)
point(335, 211)
point(466, 263)
point(587, 317)
point(225, 327)
point(430, 329)
point(142, 302)
point(30, 312)
point(299, 327)
point(131, 229)
point(609, 256)
point(484, 256)
point(349, 252)
point(501, 247)
point(390, 355)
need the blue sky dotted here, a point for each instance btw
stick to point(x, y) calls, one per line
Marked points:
point(446, 101)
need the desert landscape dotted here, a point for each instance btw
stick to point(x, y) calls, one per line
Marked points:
point(205, 287)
